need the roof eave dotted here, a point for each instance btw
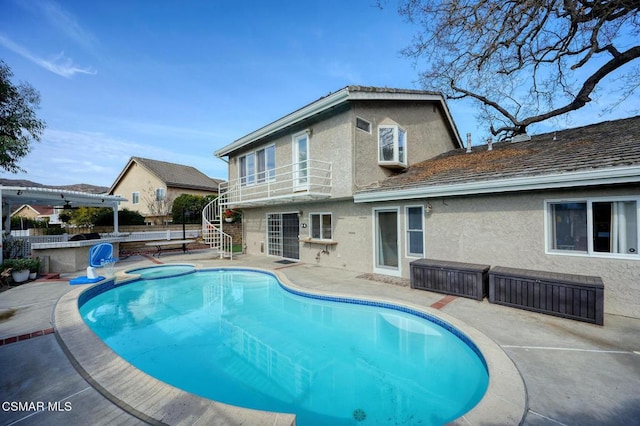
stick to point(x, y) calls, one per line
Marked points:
point(331, 101)
point(310, 110)
point(609, 176)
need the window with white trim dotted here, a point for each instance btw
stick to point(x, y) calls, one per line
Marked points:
point(392, 143)
point(258, 166)
point(414, 222)
point(321, 226)
point(247, 169)
point(594, 226)
point(363, 125)
point(135, 197)
point(266, 163)
point(160, 194)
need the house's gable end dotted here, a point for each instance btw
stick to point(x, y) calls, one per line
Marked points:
point(333, 101)
point(178, 175)
point(113, 188)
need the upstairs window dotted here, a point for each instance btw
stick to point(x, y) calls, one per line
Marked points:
point(266, 163)
point(363, 125)
point(247, 169)
point(160, 194)
point(258, 166)
point(135, 197)
point(392, 142)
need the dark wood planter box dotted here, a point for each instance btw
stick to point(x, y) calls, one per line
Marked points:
point(577, 297)
point(461, 279)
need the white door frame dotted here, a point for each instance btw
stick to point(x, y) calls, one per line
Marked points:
point(381, 269)
point(300, 174)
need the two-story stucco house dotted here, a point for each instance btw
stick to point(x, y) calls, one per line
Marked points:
point(150, 186)
point(371, 179)
point(295, 179)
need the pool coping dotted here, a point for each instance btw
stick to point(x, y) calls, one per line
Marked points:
point(156, 402)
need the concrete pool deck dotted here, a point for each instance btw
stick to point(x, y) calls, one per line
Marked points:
point(574, 373)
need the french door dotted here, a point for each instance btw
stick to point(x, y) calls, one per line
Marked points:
point(283, 235)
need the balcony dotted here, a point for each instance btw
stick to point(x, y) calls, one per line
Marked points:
point(297, 182)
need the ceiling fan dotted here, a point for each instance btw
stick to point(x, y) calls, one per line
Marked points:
point(68, 206)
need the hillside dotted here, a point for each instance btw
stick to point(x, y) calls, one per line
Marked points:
point(81, 187)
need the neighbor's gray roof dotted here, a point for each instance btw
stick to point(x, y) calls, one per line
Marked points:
point(178, 175)
point(599, 146)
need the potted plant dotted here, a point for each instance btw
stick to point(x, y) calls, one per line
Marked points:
point(19, 268)
point(230, 215)
point(34, 268)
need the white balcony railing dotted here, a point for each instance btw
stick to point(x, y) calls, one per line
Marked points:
point(310, 179)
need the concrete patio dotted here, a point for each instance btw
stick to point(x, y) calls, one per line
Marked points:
point(575, 373)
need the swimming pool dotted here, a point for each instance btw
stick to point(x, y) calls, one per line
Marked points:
point(239, 337)
point(164, 271)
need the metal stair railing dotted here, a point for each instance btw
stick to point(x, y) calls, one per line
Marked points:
point(212, 233)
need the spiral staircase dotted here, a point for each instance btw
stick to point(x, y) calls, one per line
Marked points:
point(212, 233)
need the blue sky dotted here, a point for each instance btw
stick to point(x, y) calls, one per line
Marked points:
point(176, 80)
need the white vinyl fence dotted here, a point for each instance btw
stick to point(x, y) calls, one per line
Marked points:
point(22, 244)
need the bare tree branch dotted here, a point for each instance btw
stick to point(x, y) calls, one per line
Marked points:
point(527, 60)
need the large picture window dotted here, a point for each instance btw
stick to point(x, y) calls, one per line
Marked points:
point(594, 226)
point(321, 226)
point(392, 141)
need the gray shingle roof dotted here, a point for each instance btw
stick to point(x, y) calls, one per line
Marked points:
point(597, 146)
point(178, 175)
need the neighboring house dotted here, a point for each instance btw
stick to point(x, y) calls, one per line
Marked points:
point(370, 179)
point(40, 213)
point(150, 186)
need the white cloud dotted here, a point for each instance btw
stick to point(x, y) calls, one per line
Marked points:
point(67, 23)
point(59, 64)
point(62, 20)
point(70, 157)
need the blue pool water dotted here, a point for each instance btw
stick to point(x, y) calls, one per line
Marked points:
point(239, 337)
point(164, 271)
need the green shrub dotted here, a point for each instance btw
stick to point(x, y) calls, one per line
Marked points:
point(21, 264)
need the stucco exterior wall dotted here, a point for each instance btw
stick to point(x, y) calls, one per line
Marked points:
point(137, 179)
point(353, 152)
point(351, 232)
point(509, 230)
point(427, 135)
point(329, 140)
point(497, 230)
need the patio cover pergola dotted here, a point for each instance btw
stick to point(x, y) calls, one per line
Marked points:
point(17, 195)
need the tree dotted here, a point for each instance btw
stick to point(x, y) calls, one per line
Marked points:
point(85, 216)
point(125, 217)
point(525, 61)
point(191, 206)
point(19, 125)
point(158, 202)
